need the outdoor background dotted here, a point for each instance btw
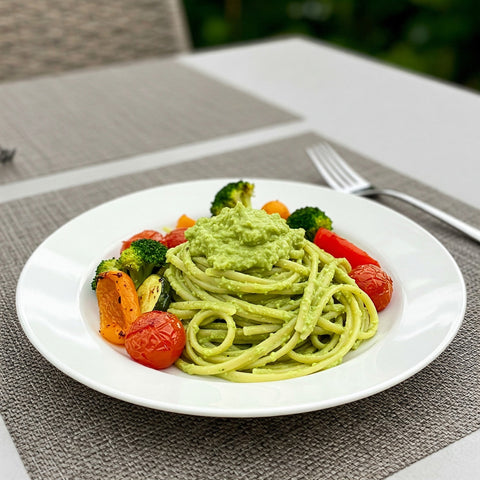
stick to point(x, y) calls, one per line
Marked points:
point(440, 38)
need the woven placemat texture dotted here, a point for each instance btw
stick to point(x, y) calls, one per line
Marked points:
point(93, 116)
point(63, 429)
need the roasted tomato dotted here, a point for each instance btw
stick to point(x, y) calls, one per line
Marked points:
point(155, 339)
point(151, 234)
point(375, 282)
point(175, 237)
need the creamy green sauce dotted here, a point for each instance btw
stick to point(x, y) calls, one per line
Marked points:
point(241, 238)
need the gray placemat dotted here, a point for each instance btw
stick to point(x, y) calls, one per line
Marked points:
point(63, 429)
point(93, 116)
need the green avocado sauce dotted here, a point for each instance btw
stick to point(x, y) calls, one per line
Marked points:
point(242, 238)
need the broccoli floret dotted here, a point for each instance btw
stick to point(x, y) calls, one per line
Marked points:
point(104, 266)
point(231, 194)
point(141, 259)
point(310, 219)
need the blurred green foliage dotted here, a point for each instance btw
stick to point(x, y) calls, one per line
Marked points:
point(440, 38)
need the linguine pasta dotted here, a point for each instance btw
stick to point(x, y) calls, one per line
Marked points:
point(299, 317)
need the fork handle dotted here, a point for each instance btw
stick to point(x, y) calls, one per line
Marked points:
point(463, 227)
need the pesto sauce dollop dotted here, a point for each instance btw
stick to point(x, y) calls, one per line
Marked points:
point(242, 238)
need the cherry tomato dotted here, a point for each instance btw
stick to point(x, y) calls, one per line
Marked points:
point(375, 283)
point(275, 206)
point(151, 234)
point(155, 339)
point(341, 248)
point(175, 237)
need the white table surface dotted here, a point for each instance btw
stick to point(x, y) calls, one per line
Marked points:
point(415, 125)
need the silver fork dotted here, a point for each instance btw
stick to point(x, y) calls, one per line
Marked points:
point(340, 176)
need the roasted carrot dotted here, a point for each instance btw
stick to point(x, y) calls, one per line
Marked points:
point(118, 305)
point(275, 206)
point(185, 221)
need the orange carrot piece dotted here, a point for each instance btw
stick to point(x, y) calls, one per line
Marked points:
point(185, 221)
point(275, 206)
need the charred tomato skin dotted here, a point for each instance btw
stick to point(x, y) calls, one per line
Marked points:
point(155, 339)
point(175, 237)
point(375, 282)
point(151, 234)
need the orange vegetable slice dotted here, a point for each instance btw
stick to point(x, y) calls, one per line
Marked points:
point(184, 222)
point(275, 206)
point(118, 305)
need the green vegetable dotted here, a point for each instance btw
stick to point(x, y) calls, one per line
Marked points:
point(141, 259)
point(310, 219)
point(231, 194)
point(104, 266)
point(165, 297)
point(155, 293)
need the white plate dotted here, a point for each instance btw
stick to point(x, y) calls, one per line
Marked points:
point(58, 310)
